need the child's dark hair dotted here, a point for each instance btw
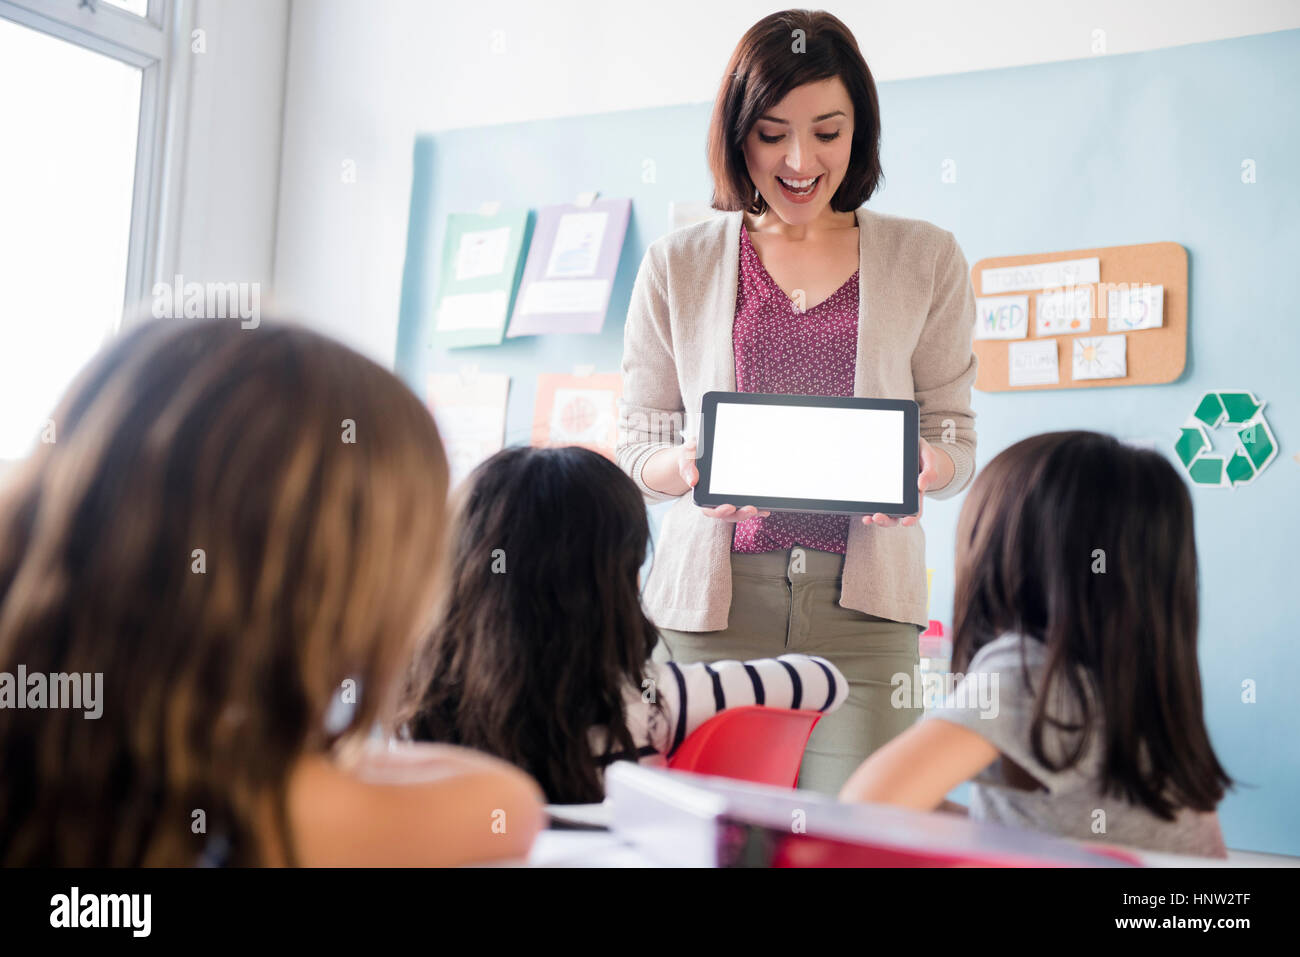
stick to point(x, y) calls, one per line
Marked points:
point(1087, 545)
point(542, 627)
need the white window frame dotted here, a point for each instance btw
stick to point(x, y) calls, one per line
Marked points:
point(159, 45)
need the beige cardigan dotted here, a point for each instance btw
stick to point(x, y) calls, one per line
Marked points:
point(916, 311)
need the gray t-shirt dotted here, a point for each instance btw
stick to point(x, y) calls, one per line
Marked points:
point(992, 700)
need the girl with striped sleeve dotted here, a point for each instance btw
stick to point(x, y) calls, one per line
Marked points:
point(681, 697)
point(541, 650)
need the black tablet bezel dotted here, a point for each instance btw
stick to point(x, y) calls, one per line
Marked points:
point(911, 459)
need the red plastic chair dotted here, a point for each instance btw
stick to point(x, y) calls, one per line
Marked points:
point(752, 743)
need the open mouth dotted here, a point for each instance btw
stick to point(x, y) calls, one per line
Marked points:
point(799, 188)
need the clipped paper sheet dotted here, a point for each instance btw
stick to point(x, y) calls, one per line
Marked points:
point(481, 259)
point(1002, 317)
point(581, 416)
point(569, 272)
point(578, 237)
point(1135, 307)
point(1033, 362)
point(557, 298)
point(1063, 310)
point(1100, 357)
point(578, 410)
point(471, 414)
point(482, 252)
point(472, 310)
point(1066, 272)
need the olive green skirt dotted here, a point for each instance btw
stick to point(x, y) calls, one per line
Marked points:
point(777, 610)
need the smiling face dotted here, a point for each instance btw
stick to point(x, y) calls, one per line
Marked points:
point(797, 154)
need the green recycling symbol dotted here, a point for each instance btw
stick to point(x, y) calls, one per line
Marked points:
point(1240, 411)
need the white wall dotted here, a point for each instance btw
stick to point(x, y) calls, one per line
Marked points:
point(365, 78)
point(226, 224)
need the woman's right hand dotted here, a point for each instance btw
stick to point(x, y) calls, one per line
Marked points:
point(690, 475)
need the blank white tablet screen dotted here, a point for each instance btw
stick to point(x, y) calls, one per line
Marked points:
point(791, 451)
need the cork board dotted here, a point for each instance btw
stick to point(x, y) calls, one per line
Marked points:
point(1154, 356)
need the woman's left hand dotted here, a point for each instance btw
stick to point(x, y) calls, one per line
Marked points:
point(936, 469)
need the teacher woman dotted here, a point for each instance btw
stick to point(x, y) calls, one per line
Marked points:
point(797, 289)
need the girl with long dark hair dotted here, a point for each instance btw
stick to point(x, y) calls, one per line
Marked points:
point(1078, 709)
point(542, 654)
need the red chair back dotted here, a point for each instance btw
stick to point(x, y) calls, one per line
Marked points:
point(756, 744)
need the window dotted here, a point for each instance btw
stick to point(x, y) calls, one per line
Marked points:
point(82, 94)
point(139, 7)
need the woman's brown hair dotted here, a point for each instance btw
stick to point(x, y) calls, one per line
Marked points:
point(229, 526)
point(1087, 545)
point(765, 66)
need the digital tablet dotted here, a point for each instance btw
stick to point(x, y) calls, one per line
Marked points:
point(808, 453)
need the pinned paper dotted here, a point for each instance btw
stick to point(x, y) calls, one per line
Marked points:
point(1002, 317)
point(1064, 272)
point(470, 410)
point(563, 298)
point(577, 245)
point(476, 312)
point(482, 258)
point(570, 269)
point(578, 410)
point(1063, 310)
point(1033, 362)
point(482, 252)
point(1135, 307)
point(1100, 357)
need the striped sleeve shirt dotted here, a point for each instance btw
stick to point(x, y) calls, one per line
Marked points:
point(690, 694)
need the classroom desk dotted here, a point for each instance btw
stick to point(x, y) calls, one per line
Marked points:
point(590, 848)
point(601, 849)
point(584, 849)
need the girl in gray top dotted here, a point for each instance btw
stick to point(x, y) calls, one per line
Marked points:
point(1075, 705)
